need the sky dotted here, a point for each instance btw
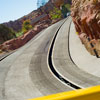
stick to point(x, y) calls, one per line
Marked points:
point(14, 9)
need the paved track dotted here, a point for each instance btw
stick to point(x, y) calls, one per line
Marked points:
point(25, 73)
point(83, 59)
point(63, 64)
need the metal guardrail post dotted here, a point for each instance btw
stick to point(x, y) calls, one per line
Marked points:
point(93, 48)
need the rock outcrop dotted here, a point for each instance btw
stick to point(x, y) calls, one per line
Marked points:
point(20, 41)
point(86, 17)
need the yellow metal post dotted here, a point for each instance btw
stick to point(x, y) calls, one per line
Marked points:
point(92, 93)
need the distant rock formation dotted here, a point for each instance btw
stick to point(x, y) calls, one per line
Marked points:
point(39, 18)
point(17, 24)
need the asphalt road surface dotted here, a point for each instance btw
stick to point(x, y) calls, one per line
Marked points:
point(26, 73)
point(64, 64)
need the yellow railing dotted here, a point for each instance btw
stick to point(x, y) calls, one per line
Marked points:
point(92, 93)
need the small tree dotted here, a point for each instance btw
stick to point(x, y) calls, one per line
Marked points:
point(64, 10)
point(68, 6)
point(6, 33)
point(26, 26)
point(55, 14)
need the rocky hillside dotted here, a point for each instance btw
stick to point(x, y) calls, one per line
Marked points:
point(39, 19)
point(86, 17)
point(17, 24)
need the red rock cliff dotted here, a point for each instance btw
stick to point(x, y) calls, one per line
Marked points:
point(86, 17)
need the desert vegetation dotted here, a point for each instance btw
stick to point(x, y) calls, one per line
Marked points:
point(26, 26)
point(6, 33)
point(55, 14)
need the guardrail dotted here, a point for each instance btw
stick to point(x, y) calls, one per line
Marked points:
point(92, 93)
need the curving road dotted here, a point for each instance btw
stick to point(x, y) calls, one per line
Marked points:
point(26, 73)
point(64, 64)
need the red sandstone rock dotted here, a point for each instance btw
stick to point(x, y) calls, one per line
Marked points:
point(86, 17)
point(20, 41)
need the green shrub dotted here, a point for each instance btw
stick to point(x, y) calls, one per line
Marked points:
point(6, 33)
point(55, 14)
point(19, 33)
point(26, 26)
point(68, 6)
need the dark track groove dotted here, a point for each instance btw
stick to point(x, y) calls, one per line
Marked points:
point(52, 66)
point(6, 55)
